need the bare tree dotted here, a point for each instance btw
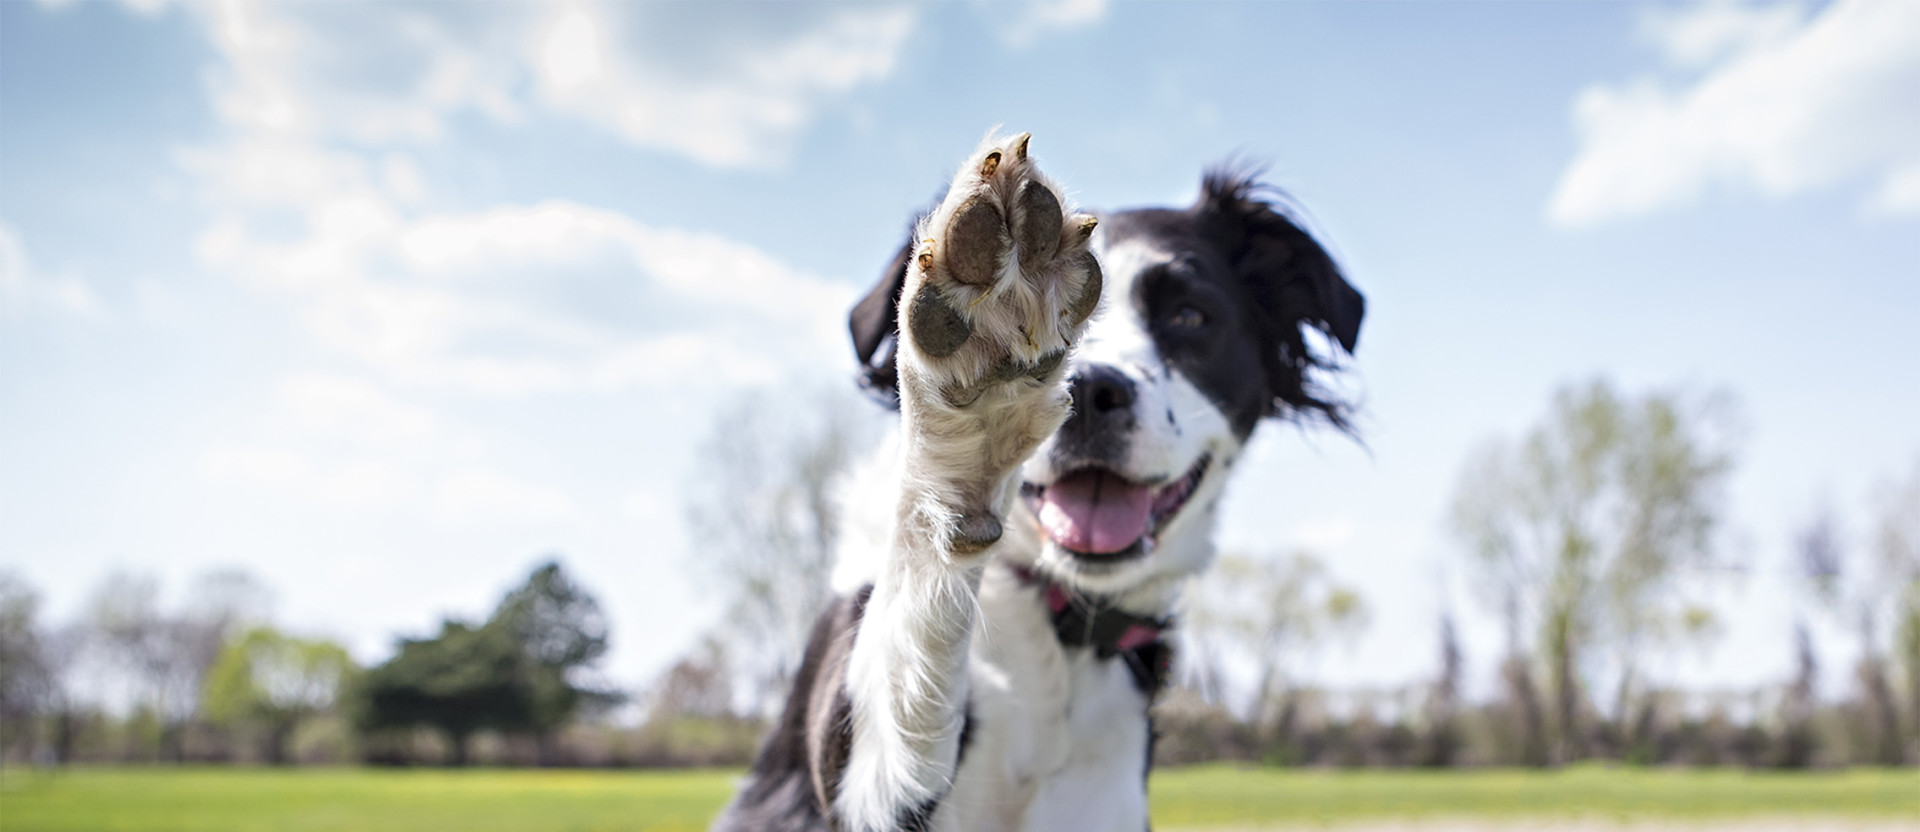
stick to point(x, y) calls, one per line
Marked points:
point(166, 656)
point(1443, 739)
point(1583, 528)
point(1863, 594)
point(1271, 612)
point(698, 685)
point(27, 679)
point(766, 520)
point(1897, 558)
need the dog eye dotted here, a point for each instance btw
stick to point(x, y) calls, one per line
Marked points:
point(1188, 318)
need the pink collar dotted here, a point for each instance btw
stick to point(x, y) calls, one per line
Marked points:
point(1082, 620)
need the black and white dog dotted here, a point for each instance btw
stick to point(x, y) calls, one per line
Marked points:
point(1071, 404)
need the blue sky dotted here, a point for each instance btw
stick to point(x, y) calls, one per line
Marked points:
point(383, 303)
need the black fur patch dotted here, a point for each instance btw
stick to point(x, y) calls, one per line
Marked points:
point(793, 782)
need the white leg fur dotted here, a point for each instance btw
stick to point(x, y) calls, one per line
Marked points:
point(987, 315)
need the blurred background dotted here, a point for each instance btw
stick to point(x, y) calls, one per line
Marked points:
point(444, 382)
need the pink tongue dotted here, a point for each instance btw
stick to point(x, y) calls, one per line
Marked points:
point(1095, 512)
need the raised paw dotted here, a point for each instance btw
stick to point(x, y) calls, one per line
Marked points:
point(1000, 287)
point(1001, 283)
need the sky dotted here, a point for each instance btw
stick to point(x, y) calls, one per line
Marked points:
point(386, 303)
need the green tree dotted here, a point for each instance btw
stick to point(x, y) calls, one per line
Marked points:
point(520, 672)
point(270, 681)
point(463, 680)
point(1583, 528)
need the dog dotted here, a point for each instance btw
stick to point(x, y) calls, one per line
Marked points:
point(1073, 391)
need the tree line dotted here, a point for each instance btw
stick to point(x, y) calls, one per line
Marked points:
point(214, 680)
point(1595, 538)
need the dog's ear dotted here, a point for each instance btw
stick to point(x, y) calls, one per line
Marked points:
point(874, 324)
point(1294, 283)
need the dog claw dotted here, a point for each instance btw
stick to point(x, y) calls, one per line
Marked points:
point(1020, 146)
point(1087, 224)
point(991, 164)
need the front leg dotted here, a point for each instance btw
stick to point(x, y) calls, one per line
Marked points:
point(999, 288)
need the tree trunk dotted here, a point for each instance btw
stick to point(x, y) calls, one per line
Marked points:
point(1885, 728)
point(1566, 690)
point(66, 735)
point(279, 736)
point(173, 742)
point(1521, 691)
point(1908, 640)
point(459, 741)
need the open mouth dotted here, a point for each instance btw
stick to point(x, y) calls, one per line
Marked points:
point(1096, 514)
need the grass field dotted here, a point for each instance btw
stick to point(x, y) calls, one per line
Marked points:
point(373, 800)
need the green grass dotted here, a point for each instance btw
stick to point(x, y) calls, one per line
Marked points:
point(1226, 796)
point(374, 800)
point(359, 800)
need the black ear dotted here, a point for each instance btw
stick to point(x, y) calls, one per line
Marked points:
point(1294, 283)
point(874, 323)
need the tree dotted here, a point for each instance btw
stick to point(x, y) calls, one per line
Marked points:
point(274, 682)
point(769, 525)
point(1583, 528)
point(517, 673)
point(1897, 558)
point(695, 686)
point(561, 632)
point(166, 655)
point(1271, 611)
point(27, 679)
point(1878, 597)
point(459, 682)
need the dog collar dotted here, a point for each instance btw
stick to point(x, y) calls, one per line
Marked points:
point(1082, 620)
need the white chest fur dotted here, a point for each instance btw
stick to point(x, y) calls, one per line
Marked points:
point(1059, 736)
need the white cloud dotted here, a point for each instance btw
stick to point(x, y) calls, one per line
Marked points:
point(1020, 25)
point(24, 289)
point(345, 444)
point(1783, 105)
point(1699, 35)
point(549, 297)
point(719, 84)
point(318, 202)
point(741, 106)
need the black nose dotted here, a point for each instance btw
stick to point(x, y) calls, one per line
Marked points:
point(1101, 391)
point(1099, 431)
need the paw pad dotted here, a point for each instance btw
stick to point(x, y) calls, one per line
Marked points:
point(1039, 213)
point(977, 243)
point(937, 327)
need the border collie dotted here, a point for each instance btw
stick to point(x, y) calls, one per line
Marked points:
point(1071, 404)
